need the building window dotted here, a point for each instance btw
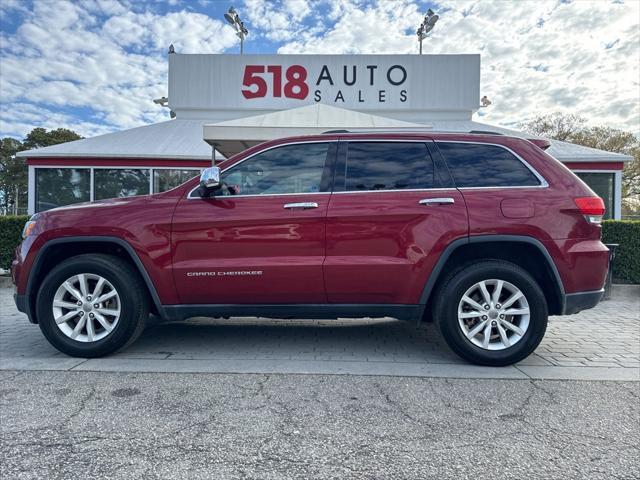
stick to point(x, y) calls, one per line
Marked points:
point(166, 179)
point(61, 186)
point(603, 184)
point(120, 182)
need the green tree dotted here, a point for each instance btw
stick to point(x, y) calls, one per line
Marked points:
point(13, 178)
point(574, 129)
point(39, 137)
point(14, 171)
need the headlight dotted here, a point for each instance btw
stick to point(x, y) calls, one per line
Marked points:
point(28, 228)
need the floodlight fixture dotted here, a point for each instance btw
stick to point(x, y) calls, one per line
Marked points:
point(426, 26)
point(233, 18)
point(162, 101)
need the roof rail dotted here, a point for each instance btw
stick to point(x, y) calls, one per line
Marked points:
point(485, 132)
point(427, 129)
point(381, 130)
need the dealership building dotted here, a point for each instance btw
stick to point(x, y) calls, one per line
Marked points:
point(226, 103)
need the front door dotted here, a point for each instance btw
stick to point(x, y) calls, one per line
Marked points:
point(262, 240)
point(390, 217)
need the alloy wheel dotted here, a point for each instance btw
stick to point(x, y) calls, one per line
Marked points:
point(493, 314)
point(86, 307)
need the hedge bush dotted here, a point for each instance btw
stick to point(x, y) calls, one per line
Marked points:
point(626, 233)
point(10, 236)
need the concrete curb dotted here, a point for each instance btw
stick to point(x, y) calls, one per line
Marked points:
point(313, 367)
point(624, 291)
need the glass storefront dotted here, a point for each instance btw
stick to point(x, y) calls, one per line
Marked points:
point(56, 187)
point(61, 186)
point(120, 182)
point(166, 179)
point(603, 184)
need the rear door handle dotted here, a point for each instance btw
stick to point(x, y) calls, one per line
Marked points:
point(303, 205)
point(437, 201)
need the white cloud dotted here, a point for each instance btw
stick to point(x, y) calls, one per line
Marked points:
point(567, 42)
point(100, 56)
point(108, 57)
point(276, 21)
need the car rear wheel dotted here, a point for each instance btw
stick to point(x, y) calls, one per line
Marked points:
point(92, 305)
point(491, 313)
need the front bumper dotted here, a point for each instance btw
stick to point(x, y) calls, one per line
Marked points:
point(577, 302)
point(24, 306)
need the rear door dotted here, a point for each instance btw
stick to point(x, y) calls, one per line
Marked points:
point(265, 243)
point(392, 213)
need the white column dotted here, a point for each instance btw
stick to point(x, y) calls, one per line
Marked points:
point(617, 188)
point(31, 191)
point(91, 184)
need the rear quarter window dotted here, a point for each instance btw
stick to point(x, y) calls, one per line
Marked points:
point(477, 165)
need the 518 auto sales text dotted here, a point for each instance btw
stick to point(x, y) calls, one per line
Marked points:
point(271, 81)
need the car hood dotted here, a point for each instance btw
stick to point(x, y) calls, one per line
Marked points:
point(109, 202)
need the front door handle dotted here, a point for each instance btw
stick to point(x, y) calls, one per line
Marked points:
point(303, 205)
point(437, 201)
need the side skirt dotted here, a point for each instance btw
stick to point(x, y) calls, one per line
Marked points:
point(303, 311)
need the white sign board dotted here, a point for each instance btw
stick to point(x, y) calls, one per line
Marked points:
point(213, 83)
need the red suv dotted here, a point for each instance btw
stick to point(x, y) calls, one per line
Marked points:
point(484, 234)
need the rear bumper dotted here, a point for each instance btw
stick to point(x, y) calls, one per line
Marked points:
point(576, 302)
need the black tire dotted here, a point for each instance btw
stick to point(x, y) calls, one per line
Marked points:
point(134, 308)
point(459, 281)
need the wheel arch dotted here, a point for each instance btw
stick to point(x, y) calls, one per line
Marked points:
point(521, 250)
point(59, 249)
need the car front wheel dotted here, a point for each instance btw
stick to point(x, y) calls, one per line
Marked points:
point(92, 305)
point(491, 313)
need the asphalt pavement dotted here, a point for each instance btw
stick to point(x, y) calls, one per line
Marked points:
point(67, 425)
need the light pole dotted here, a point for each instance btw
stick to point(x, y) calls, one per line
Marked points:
point(241, 31)
point(426, 26)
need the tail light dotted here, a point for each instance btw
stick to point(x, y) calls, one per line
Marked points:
point(592, 208)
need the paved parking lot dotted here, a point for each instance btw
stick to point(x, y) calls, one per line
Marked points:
point(226, 399)
point(599, 344)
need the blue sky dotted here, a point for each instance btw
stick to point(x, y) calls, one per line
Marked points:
point(95, 65)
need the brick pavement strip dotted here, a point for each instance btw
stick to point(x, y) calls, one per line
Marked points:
point(598, 344)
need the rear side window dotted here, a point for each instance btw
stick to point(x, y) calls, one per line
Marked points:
point(476, 165)
point(388, 166)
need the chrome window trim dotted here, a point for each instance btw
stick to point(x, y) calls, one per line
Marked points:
point(541, 179)
point(302, 142)
point(438, 189)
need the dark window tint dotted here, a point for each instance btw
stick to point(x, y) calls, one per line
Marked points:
point(388, 166)
point(287, 169)
point(474, 165)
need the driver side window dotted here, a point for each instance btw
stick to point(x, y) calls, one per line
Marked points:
point(288, 169)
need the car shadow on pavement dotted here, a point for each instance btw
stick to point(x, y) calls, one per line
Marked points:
point(255, 338)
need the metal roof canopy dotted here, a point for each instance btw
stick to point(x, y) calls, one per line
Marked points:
point(234, 136)
point(174, 139)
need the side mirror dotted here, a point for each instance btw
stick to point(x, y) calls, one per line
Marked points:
point(210, 178)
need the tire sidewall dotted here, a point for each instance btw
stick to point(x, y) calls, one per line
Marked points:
point(461, 282)
point(128, 307)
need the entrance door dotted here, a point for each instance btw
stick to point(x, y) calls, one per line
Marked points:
point(263, 239)
point(391, 215)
